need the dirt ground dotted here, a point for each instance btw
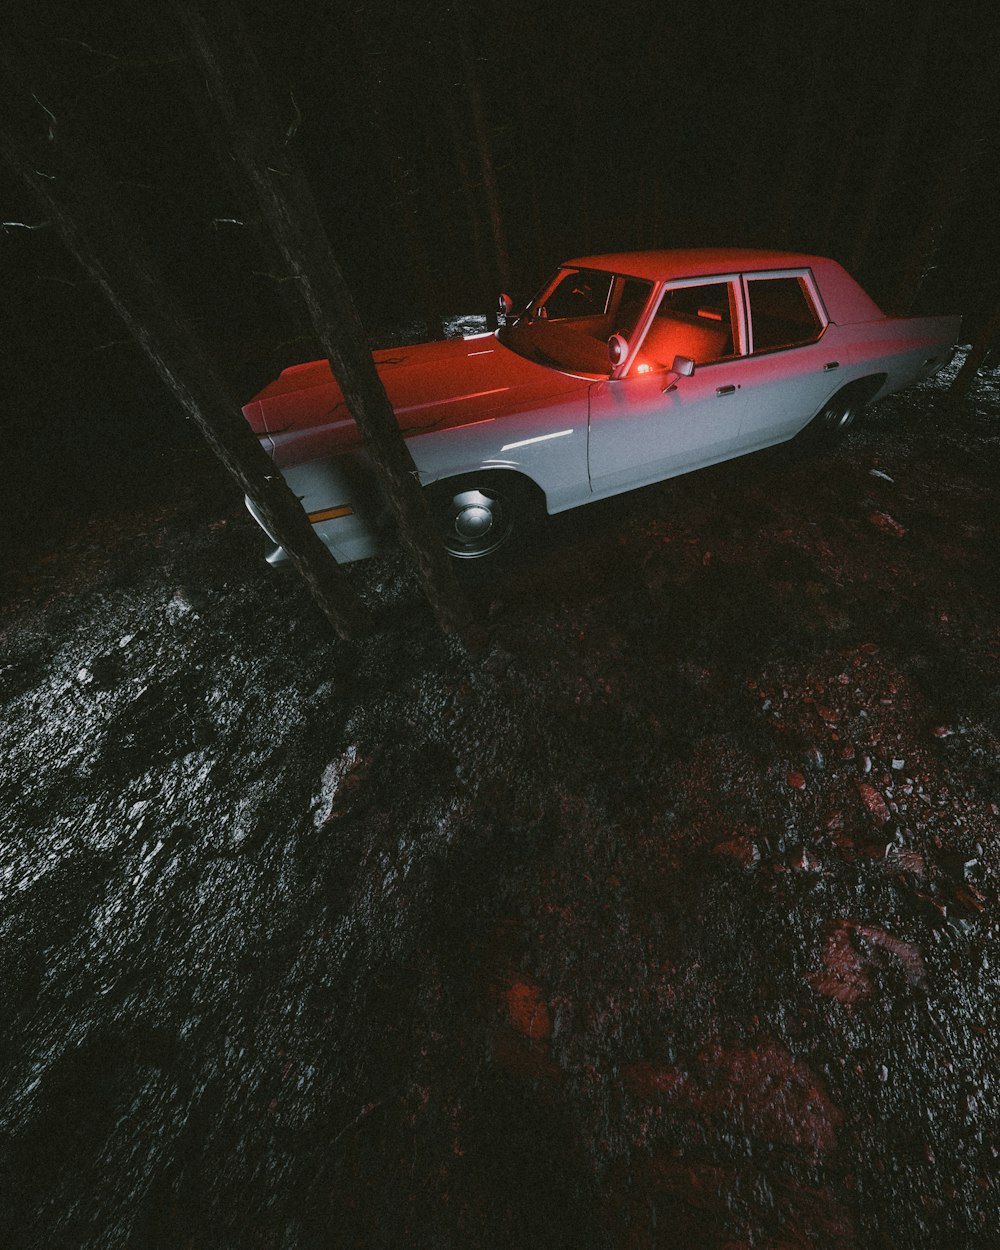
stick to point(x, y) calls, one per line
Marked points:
point(671, 922)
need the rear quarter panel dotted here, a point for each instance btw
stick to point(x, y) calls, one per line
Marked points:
point(905, 349)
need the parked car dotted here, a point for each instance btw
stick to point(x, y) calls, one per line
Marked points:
point(625, 369)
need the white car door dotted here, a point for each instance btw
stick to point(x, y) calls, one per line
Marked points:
point(651, 424)
point(794, 366)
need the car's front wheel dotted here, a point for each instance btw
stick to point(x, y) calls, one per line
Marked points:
point(476, 517)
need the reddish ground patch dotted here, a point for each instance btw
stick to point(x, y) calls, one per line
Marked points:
point(852, 951)
point(763, 1093)
point(529, 1013)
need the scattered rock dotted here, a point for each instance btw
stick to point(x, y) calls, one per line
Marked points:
point(958, 865)
point(844, 976)
point(182, 605)
point(908, 955)
point(970, 899)
point(874, 802)
point(851, 951)
point(886, 523)
point(740, 848)
point(800, 860)
point(796, 781)
point(903, 859)
point(341, 786)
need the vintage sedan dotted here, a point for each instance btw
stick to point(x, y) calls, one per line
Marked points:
point(625, 369)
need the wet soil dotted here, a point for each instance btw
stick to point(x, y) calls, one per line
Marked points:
point(670, 921)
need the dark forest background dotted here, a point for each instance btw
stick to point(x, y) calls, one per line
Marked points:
point(864, 131)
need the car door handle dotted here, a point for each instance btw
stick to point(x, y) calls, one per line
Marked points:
point(725, 390)
point(833, 364)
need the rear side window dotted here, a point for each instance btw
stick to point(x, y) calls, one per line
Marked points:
point(782, 313)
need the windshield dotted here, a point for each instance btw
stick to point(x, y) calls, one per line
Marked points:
point(567, 326)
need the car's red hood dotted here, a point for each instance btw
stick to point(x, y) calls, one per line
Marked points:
point(430, 386)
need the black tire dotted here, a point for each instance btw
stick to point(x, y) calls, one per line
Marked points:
point(836, 417)
point(479, 516)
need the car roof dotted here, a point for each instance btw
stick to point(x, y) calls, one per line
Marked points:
point(670, 263)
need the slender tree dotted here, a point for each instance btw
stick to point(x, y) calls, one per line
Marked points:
point(236, 83)
point(81, 202)
point(887, 160)
point(953, 162)
point(985, 339)
point(480, 247)
point(919, 259)
point(398, 171)
point(484, 146)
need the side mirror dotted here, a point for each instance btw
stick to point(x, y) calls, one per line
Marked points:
point(506, 307)
point(617, 349)
point(682, 367)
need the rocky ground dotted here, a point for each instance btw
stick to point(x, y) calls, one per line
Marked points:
point(672, 921)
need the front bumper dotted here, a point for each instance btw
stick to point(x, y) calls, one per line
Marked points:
point(349, 538)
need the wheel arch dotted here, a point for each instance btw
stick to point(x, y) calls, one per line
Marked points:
point(852, 395)
point(499, 476)
point(863, 390)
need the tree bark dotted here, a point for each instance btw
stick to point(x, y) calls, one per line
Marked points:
point(950, 187)
point(81, 203)
point(974, 361)
point(487, 285)
point(887, 159)
point(484, 149)
point(399, 175)
point(236, 83)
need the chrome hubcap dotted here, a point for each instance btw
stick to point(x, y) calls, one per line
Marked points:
point(475, 523)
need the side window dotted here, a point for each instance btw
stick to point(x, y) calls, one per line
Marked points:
point(579, 293)
point(781, 313)
point(692, 321)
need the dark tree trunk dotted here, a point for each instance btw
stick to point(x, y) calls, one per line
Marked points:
point(261, 355)
point(236, 83)
point(400, 177)
point(484, 148)
point(886, 160)
point(950, 186)
point(80, 202)
point(487, 286)
point(974, 361)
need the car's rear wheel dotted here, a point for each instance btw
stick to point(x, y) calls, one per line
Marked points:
point(839, 415)
point(477, 517)
point(835, 418)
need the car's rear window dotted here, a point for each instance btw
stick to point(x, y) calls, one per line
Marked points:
point(781, 313)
